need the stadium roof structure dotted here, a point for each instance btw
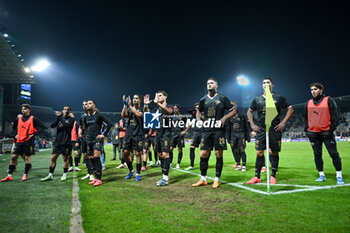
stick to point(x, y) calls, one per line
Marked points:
point(11, 69)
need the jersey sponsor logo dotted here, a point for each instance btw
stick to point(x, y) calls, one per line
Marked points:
point(151, 120)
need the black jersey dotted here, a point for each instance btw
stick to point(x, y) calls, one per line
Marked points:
point(63, 127)
point(214, 108)
point(163, 116)
point(135, 124)
point(176, 129)
point(82, 125)
point(258, 105)
point(238, 125)
point(93, 125)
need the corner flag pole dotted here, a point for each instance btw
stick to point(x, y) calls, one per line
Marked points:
point(271, 113)
point(267, 159)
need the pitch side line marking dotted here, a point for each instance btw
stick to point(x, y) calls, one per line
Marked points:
point(75, 216)
point(240, 185)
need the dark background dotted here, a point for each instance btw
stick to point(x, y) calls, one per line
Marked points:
point(104, 49)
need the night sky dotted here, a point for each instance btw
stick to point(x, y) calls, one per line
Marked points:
point(104, 49)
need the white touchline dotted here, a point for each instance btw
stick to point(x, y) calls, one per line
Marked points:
point(243, 186)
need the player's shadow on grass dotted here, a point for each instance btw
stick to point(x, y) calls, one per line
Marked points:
point(179, 178)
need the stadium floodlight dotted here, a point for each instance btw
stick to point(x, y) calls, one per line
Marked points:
point(40, 66)
point(27, 70)
point(19, 55)
point(6, 35)
point(242, 80)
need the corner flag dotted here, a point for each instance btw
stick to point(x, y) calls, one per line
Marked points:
point(270, 107)
point(271, 113)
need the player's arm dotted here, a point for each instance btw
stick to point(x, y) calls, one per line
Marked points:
point(166, 110)
point(186, 130)
point(55, 123)
point(255, 128)
point(146, 102)
point(246, 129)
point(232, 111)
point(333, 112)
point(14, 129)
point(125, 106)
point(108, 126)
point(40, 127)
point(227, 116)
point(134, 110)
point(289, 114)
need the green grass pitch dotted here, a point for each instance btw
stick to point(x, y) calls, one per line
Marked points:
point(121, 205)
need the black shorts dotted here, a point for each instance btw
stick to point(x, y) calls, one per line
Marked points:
point(24, 148)
point(274, 140)
point(83, 146)
point(132, 143)
point(162, 143)
point(196, 139)
point(238, 143)
point(178, 140)
point(76, 147)
point(65, 150)
point(211, 139)
point(94, 145)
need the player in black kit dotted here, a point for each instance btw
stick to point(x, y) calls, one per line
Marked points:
point(163, 137)
point(177, 139)
point(62, 144)
point(238, 133)
point(275, 132)
point(213, 107)
point(94, 139)
point(196, 139)
point(133, 140)
point(83, 145)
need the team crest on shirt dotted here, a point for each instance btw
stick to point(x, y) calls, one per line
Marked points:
point(217, 101)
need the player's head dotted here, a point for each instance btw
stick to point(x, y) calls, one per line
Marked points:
point(91, 105)
point(137, 99)
point(162, 96)
point(66, 110)
point(212, 84)
point(177, 109)
point(25, 109)
point(316, 89)
point(267, 81)
point(85, 105)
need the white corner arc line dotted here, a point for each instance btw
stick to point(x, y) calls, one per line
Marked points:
point(242, 186)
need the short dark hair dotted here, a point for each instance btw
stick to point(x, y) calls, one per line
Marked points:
point(212, 78)
point(318, 85)
point(178, 106)
point(93, 102)
point(196, 104)
point(67, 107)
point(163, 92)
point(26, 106)
point(268, 78)
point(140, 97)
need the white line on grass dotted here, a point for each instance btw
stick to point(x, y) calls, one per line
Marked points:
point(75, 216)
point(242, 186)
